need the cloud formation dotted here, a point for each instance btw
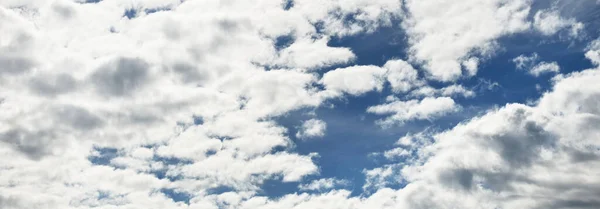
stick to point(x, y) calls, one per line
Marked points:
point(178, 104)
point(312, 128)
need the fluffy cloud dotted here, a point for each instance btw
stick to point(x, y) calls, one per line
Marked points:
point(517, 155)
point(402, 111)
point(550, 22)
point(524, 61)
point(593, 54)
point(544, 67)
point(445, 35)
point(312, 128)
point(401, 76)
point(164, 95)
point(355, 80)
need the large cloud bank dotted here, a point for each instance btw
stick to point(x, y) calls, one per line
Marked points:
point(125, 104)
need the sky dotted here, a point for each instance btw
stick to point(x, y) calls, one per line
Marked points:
point(299, 104)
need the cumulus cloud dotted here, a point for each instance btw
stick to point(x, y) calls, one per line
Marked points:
point(313, 54)
point(549, 22)
point(166, 95)
point(357, 80)
point(445, 35)
point(401, 76)
point(544, 67)
point(312, 128)
point(532, 65)
point(593, 54)
point(354, 80)
point(402, 111)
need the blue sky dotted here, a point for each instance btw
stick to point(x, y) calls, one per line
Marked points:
point(299, 104)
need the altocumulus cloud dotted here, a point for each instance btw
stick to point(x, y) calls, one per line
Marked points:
point(174, 104)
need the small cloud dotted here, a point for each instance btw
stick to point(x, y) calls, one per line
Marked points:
point(550, 22)
point(533, 67)
point(312, 128)
point(448, 91)
point(523, 61)
point(544, 67)
point(403, 111)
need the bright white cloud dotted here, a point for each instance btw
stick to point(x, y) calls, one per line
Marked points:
point(356, 15)
point(544, 67)
point(532, 65)
point(176, 87)
point(445, 34)
point(549, 22)
point(401, 76)
point(514, 156)
point(354, 80)
point(311, 129)
point(314, 54)
point(523, 62)
point(402, 111)
point(593, 53)
point(133, 83)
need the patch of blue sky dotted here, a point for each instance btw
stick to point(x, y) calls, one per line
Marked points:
point(177, 196)
point(130, 13)
point(168, 161)
point(288, 4)
point(92, 1)
point(104, 155)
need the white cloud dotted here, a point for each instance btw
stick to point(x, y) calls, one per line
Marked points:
point(379, 178)
point(396, 152)
point(137, 84)
point(357, 80)
point(544, 67)
point(354, 80)
point(445, 34)
point(593, 53)
point(517, 155)
point(401, 76)
point(311, 129)
point(471, 65)
point(402, 111)
point(549, 22)
point(523, 62)
point(533, 66)
point(366, 15)
point(312, 54)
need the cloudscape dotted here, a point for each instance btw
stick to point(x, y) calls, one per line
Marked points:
point(299, 104)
